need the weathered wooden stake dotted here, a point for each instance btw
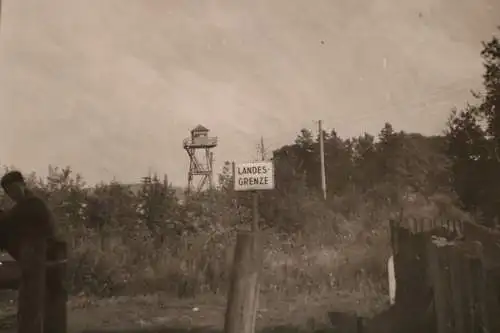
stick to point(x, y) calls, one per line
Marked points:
point(243, 291)
point(255, 230)
point(32, 285)
point(255, 211)
point(439, 271)
point(481, 320)
point(458, 299)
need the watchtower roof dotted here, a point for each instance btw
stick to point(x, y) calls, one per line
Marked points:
point(200, 128)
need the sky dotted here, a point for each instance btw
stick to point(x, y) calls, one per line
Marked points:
point(112, 87)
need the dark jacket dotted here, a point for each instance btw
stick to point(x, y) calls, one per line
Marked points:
point(28, 218)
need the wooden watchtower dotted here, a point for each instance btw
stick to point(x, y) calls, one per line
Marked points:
point(199, 149)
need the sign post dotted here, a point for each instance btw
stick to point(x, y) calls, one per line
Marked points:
point(242, 304)
point(256, 176)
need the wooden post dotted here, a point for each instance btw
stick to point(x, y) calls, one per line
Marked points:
point(243, 291)
point(492, 286)
point(468, 295)
point(32, 285)
point(480, 322)
point(233, 169)
point(255, 211)
point(322, 158)
point(459, 294)
point(255, 230)
point(440, 275)
point(56, 297)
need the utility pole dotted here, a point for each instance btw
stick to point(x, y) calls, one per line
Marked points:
point(322, 156)
point(262, 148)
point(256, 217)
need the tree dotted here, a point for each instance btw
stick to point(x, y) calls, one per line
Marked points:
point(158, 204)
point(364, 160)
point(294, 163)
point(473, 136)
point(305, 139)
point(226, 179)
point(338, 162)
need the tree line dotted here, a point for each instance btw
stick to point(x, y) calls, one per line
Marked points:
point(463, 162)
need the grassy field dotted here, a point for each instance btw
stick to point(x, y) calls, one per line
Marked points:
point(163, 313)
point(142, 260)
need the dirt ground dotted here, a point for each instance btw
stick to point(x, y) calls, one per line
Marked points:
point(161, 314)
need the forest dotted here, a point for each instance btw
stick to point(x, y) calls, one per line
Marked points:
point(461, 164)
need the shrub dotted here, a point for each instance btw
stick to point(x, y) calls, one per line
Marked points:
point(126, 241)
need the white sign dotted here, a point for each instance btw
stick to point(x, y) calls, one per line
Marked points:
point(254, 176)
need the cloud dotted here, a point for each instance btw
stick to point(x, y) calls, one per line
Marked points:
point(112, 87)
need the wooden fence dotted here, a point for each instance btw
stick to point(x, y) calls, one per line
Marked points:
point(447, 279)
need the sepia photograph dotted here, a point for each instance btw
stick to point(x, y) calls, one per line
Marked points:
point(265, 166)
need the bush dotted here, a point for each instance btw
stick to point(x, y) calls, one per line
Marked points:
point(128, 241)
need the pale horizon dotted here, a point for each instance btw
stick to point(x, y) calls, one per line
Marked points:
point(112, 87)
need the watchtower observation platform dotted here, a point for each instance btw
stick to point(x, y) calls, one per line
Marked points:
point(200, 139)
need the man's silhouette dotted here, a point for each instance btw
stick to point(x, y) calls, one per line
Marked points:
point(26, 231)
point(30, 216)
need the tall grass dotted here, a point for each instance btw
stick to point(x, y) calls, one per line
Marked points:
point(125, 242)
